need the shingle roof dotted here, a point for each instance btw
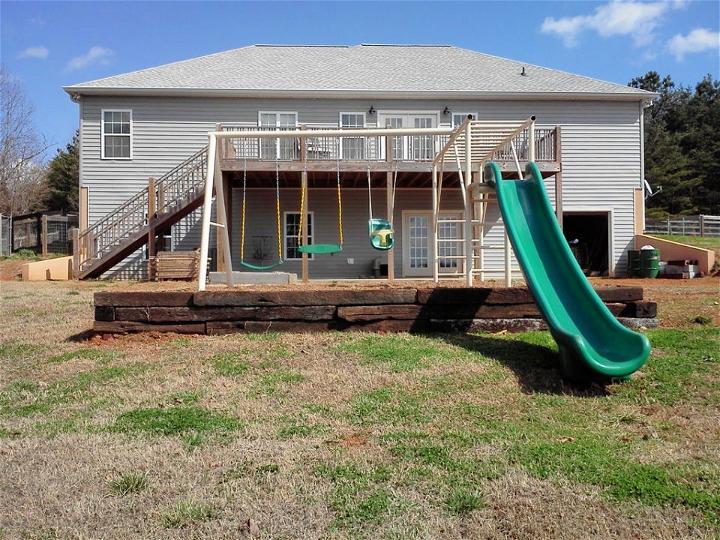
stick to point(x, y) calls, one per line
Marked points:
point(422, 70)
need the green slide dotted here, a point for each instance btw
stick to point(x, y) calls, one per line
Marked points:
point(593, 344)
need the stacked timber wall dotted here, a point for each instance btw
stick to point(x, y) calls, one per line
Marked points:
point(373, 310)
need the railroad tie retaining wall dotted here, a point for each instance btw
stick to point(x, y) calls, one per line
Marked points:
point(376, 310)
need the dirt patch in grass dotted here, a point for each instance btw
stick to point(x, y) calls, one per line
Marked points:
point(513, 503)
point(679, 300)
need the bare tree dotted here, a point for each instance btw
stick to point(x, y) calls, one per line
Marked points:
point(22, 175)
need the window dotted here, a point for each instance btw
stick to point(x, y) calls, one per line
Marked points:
point(272, 149)
point(116, 134)
point(352, 147)
point(459, 118)
point(292, 234)
point(421, 148)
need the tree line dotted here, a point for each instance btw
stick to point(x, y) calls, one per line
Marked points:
point(682, 146)
point(28, 183)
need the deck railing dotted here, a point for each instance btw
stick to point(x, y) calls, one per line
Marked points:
point(404, 148)
point(545, 146)
point(170, 192)
point(319, 148)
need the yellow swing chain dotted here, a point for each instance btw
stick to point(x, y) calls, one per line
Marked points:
point(302, 212)
point(339, 201)
point(277, 212)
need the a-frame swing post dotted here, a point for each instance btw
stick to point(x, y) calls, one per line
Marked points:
point(207, 209)
point(304, 218)
point(468, 206)
point(223, 225)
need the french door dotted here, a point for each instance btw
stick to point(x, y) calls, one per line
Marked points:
point(418, 246)
point(277, 148)
point(419, 148)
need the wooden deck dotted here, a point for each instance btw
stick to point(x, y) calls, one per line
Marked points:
point(372, 310)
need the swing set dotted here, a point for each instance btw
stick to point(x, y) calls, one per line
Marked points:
point(380, 231)
point(381, 234)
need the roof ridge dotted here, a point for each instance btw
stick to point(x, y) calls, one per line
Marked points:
point(429, 45)
point(299, 45)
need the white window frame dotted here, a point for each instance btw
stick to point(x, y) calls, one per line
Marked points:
point(410, 272)
point(311, 214)
point(102, 134)
point(437, 114)
point(364, 125)
point(277, 142)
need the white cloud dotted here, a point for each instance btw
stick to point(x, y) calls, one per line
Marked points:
point(95, 55)
point(38, 52)
point(617, 18)
point(698, 40)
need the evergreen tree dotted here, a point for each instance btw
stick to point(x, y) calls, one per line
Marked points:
point(682, 145)
point(63, 180)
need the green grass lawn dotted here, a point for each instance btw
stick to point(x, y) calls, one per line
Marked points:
point(350, 436)
point(707, 242)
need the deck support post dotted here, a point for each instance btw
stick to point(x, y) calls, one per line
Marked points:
point(76, 253)
point(468, 207)
point(304, 229)
point(558, 178)
point(390, 196)
point(152, 210)
point(435, 255)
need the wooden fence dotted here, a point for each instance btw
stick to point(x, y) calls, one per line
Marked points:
point(702, 225)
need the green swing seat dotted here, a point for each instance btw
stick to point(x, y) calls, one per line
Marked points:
point(260, 267)
point(381, 234)
point(321, 249)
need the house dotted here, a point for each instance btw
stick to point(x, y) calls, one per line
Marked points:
point(143, 158)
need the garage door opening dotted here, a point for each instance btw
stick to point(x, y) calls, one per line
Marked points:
point(587, 233)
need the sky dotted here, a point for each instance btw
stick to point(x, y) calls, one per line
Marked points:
point(46, 45)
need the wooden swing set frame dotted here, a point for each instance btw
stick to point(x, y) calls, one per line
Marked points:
point(469, 145)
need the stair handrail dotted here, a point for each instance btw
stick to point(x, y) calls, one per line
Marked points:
point(131, 216)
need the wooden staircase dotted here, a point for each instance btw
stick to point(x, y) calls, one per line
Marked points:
point(156, 208)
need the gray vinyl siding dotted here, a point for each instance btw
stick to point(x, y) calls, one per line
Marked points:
point(601, 156)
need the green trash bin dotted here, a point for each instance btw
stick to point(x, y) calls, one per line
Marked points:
point(649, 263)
point(634, 263)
